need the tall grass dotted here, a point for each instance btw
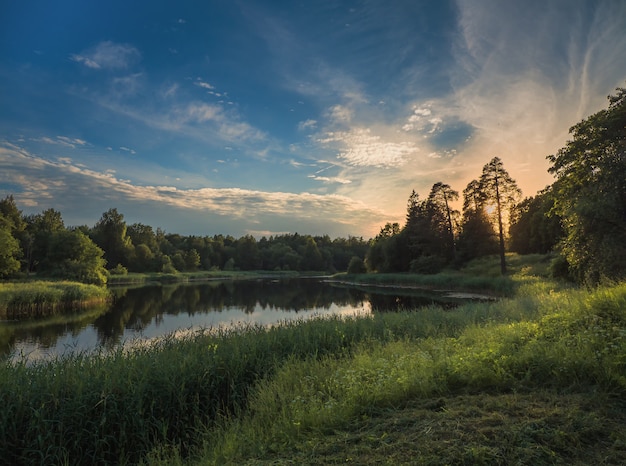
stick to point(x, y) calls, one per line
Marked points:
point(230, 396)
point(116, 407)
point(41, 299)
point(480, 275)
point(571, 341)
point(185, 277)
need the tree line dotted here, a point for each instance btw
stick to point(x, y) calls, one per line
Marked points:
point(581, 217)
point(42, 244)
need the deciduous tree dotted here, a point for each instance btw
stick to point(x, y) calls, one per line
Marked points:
point(590, 193)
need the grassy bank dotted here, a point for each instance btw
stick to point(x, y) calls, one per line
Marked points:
point(185, 277)
point(536, 379)
point(479, 276)
point(47, 298)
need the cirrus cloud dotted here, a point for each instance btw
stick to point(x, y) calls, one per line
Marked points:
point(107, 55)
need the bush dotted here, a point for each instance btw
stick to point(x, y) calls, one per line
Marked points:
point(119, 269)
point(559, 268)
point(356, 265)
point(427, 265)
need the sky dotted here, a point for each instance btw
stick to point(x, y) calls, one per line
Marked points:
point(273, 117)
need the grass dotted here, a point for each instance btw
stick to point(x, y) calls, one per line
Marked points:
point(536, 379)
point(47, 298)
point(183, 277)
point(573, 351)
point(481, 275)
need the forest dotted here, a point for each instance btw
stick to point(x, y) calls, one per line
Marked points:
point(581, 218)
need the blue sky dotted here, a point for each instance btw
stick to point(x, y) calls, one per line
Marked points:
point(269, 117)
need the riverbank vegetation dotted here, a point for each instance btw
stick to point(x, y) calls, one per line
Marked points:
point(481, 275)
point(35, 299)
point(543, 374)
point(187, 277)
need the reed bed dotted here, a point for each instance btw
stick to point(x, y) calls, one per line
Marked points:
point(46, 298)
point(184, 277)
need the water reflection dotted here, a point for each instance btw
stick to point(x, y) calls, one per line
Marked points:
point(153, 311)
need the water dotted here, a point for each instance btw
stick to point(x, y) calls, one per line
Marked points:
point(148, 312)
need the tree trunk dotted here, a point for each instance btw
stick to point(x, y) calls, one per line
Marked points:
point(502, 258)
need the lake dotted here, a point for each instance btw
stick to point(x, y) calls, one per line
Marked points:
point(153, 311)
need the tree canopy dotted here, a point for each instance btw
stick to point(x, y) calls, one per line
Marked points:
point(590, 194)
point(498, 192)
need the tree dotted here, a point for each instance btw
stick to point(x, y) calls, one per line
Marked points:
point(9, 249)
point(439, 199)
point(472, 196)
point(534, 227)
point(8, 209)
point(477, 236)
point(143, 234)
point(37, 235)
point(110, 234)
point(416, 231)
point(248, 256)
point(311, 256)
point(499, 192)
point(74, 256)
point(590, 193)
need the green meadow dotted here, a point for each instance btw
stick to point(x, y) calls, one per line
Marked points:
point(538, 377)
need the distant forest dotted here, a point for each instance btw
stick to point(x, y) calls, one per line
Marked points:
point(581, 217)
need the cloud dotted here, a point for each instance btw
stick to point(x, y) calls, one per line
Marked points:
point(327, 179)
point(170, 91)
point(359, 147)
point(70, 185)
point(421, 119)
point(62, 141)
point(307, 124)
point(126, 149)
point(203, 84)
point(108, 55)
point(521, 91)
point(340, 114)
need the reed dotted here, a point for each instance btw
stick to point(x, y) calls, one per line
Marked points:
point(41, 298)
point(184, 277)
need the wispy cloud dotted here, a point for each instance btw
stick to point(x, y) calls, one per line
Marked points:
point(126, 149)
point(203, 84)
point(307, 125)
point(41, 180)
point(107, 55)
point(62, 141)
point(332, 179)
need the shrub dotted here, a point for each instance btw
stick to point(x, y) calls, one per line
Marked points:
point(356, 265)
point(119, 269)
point(427, 265)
